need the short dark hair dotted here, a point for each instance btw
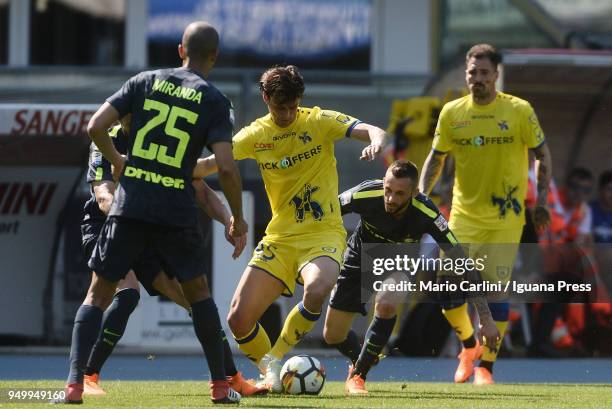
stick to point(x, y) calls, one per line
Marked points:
point(580, 173)
point(284, 83)
point(481, 51)
point(404, 169)
point(605, 178)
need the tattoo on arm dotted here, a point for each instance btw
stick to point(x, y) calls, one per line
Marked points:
point(431, 171)
point(543, 171)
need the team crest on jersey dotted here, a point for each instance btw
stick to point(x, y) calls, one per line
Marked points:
point(503, 125)
point(441, 223)
point(305, 138)
point(304, 204)
point(503, 272)
point(507, 203)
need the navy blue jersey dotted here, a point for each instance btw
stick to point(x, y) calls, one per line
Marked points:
point(377, 226)
point(99, 169)
point(175, 113)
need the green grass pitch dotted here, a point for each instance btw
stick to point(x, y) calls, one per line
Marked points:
point(155, 394)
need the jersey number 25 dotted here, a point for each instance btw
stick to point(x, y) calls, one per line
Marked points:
point(169, 115)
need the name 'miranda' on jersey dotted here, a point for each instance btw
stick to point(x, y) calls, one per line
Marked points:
point(169, 88)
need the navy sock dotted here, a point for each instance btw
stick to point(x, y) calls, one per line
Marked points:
point(377, 337)
point(469, 343)
point(486, 364)
point(350, 347)
point(228, 358)
point(113, 326)
point(208, 330)
point(84, 333)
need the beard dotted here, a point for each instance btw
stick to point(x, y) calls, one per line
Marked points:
point(391, 209)
point(394, 209)
point(480, 91)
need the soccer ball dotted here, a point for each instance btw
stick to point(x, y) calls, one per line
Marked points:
point(303, 375)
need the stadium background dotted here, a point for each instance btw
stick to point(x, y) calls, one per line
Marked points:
point(368, 58)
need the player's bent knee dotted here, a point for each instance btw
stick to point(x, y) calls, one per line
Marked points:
point(315, 294)
point(196, 290)
point(333, 335)
point(240, 324)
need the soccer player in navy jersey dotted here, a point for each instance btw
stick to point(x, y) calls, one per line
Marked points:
point(175, 113)
point(392, 211)
point(147, 269)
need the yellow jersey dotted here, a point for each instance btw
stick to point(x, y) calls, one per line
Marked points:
point(298, 167)
point(489, 144)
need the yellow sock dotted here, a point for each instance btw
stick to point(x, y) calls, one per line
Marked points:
point(255, 344)
point(487, 354)
point(459, 319)
point(299, 322)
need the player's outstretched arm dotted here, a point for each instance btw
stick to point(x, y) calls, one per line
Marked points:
point(212, 205)
point(373, 134)
point(204, 167)
point(543, 167)
point(432, 168)
point(229, 178)
point(97, 129)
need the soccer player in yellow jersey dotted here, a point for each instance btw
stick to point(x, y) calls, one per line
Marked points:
point(304, 241)
point(489, 134)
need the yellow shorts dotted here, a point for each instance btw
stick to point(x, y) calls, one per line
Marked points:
point(284, 258)
point(496, 248)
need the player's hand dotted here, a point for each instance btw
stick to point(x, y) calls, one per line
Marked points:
point(118, 169)
point(238, 227)
point(371, 152)
point(490, 334)
point(541, 217)
point(239, 242)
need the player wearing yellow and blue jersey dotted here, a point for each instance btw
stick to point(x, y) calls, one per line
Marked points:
point(304, 241)
point(489, 134)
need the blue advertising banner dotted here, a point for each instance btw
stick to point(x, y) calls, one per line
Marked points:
point(304, 29)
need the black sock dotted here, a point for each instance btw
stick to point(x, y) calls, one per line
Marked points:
point(377, 337)
point(208, 330)
point(84, 333)
point(350, 347)
point(113, 326)
point(228, 357)
point(486, 364)
point(470, 342)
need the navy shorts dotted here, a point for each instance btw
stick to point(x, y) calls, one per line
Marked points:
point(123, 242)
point(346, 295)
point(146, 267)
